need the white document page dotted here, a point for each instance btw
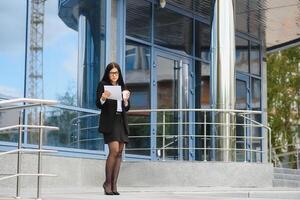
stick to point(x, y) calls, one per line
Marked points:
point(115, 91)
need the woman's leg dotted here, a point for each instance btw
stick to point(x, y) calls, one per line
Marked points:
point(110, 163)
point(117, 167)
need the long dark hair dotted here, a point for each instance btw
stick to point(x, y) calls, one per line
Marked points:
point(109, 67)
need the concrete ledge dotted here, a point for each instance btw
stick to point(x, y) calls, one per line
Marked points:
point(201, 174)
point(79, 172)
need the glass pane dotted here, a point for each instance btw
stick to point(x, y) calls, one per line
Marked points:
point(241, 104)
point(202, 41)
point(256, 94)
point(241, 95)
point(173, 30)
point(138, 19)
point(248, 17)
point(242, 16)
point(202, 87)
point(12, 48)
point(84, 32)
point(255, 58)
point(77, 130)
point(138, 82)
point(187, 4)
point(202, 100)
point(255, 16)
point(242, 58)
point(9, 118)
point(203, 8)
point(167, 83)
point(257, 142)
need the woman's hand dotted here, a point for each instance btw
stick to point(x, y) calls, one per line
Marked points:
point(126, 95)
point(105, 95)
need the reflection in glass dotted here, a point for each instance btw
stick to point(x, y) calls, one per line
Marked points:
point(168, 83)
point(242, 58)
point(202, 100)
point(138, 82)
point(173, 30)
point(241, 104)
point(255, 59)
point(173, 134)
point(92, 60)
point(9, 118)
point(138, 19)
point(256, 94)
point(76, 130)
point(248, 17)
point(202, 41)
point(241, 95)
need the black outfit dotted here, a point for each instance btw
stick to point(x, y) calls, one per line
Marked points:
point(113, 124)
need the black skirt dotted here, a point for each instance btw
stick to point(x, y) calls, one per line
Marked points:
point(118, 132)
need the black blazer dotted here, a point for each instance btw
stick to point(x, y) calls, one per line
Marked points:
point(108, 111)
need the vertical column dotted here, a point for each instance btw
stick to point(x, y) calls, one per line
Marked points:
point(223, 76)
point(82, 24)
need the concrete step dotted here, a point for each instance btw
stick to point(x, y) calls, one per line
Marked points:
point(291, 177)
point(285, 183)
point(286, 171)
point(169, 193)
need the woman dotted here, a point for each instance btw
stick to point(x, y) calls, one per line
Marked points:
point(113, 124)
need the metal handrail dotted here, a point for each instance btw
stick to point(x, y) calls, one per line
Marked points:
point(233, 112)
point(25, 174)
point(28, 126)
point(269, 132)
point(243, 113)
point(27, 150)
point(29, 100)
point(34, 102)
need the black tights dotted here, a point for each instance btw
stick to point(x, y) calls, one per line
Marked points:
point(112, 167)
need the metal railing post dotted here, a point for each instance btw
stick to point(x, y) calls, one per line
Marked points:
point(164, 135)
point(251, 138)
point(19, 158)
point(298, 164)
point(245, 140)
point(205, 159)
point(123, 153)
point(40, 153)
point(270, 144)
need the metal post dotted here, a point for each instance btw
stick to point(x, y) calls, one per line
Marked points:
point(270, 145)
point(205, 159)
point(19, 158)
point(40, 153)
point(78, 133)
point(251, 136)
point(245, 139)
point(164, 135)
point(123, 153)
point(298, 152)
point(223, 71)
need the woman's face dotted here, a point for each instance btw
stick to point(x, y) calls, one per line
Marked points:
point(114, 75)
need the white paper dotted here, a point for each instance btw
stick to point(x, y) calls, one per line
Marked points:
point(115, 91)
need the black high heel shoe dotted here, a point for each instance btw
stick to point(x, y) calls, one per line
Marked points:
point(105, 192)
point(116, 193)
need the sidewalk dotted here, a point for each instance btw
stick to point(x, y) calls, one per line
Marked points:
point(167, 193)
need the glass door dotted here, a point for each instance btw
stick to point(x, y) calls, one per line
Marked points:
point(242, 103)
point(171, 88)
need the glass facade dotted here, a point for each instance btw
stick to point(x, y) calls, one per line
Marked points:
point(166, 66)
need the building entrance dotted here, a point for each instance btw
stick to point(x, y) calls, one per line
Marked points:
point(171, 86)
